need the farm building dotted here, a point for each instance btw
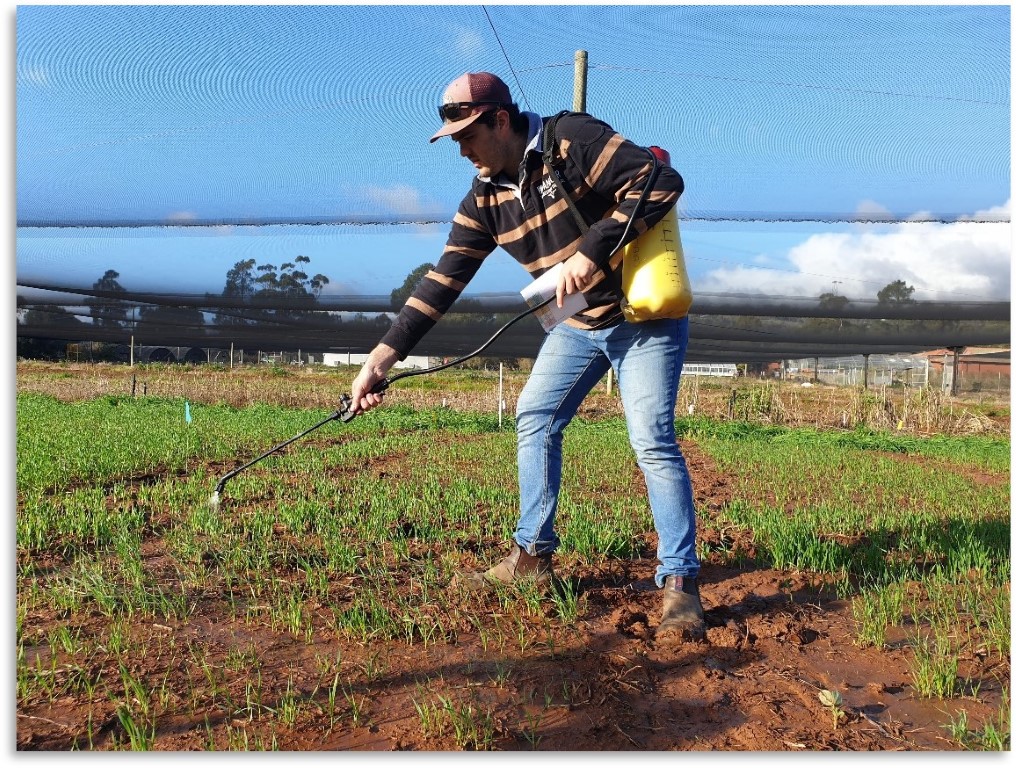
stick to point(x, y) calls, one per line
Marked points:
point(348, 358)
point(727, 370)
point(977, 368)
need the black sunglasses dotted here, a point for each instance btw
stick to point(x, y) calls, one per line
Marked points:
point(451, 112)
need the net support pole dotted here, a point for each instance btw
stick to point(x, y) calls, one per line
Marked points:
point(579, 91)
point(579, 105)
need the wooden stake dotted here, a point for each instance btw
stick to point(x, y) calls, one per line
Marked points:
point(579, 91)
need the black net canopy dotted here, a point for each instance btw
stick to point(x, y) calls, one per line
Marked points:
point(260, 176)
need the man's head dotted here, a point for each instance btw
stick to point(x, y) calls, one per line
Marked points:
point(481, 118)
point(469, 96)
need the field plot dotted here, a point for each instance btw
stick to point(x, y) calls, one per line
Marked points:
point(856, 581)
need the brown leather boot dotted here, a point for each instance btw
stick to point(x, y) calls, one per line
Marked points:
point(682, 608)
point(518, 566)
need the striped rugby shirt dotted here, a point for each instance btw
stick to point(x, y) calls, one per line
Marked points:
point(604, 174)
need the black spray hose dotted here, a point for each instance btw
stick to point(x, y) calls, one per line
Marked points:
point(382, 385)
point(346, 412)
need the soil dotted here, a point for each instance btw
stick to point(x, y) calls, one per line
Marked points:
point(610, 681)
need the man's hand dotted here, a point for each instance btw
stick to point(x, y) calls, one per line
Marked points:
point(576, 275)
point(379, 361)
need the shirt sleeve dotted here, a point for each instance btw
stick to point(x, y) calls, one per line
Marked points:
point(469, 243)
point(616, 169)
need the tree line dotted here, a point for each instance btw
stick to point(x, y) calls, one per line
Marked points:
point(257, 289)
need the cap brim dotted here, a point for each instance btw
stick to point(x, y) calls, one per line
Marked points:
point(449, 128)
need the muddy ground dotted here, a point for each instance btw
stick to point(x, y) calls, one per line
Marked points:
point(775, 639)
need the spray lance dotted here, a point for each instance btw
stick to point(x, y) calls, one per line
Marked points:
point(346, 412)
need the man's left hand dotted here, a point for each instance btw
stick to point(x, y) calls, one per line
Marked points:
point(576, 275)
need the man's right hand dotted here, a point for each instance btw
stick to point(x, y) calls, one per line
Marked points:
point(379, 361)
point(576, 276)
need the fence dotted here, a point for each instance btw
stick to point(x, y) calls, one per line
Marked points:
point(882, 370)
point(902, 370)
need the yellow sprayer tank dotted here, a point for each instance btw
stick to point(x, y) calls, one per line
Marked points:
point(653, 276)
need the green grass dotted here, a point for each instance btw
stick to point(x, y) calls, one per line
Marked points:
point(359, 528)
point(917, 528)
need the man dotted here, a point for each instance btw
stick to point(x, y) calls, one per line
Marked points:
point(515, 203)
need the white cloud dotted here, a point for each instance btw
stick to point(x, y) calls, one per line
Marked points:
point(38, 76)
point(399, 199)
point(998, 213)
point(967, 260)
point(404, 200)
point(872, 210)
point(467, 42)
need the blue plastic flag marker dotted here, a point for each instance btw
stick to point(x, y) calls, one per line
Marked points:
point(186, 411)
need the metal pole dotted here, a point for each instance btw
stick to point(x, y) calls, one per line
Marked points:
point(230, 355)
point(579, 92)
point(132, 350)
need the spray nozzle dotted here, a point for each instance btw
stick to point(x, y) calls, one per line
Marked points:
point(346, 412)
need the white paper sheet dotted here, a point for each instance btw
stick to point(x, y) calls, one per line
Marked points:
point(543, 288)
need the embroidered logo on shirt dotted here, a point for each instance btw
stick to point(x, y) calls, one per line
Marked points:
point(547, 188)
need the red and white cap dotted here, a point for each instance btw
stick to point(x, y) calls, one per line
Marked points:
point(477, 92)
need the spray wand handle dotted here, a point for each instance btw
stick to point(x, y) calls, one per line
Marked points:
point(346, 412)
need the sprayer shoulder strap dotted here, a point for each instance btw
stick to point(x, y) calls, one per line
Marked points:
point(549, 152)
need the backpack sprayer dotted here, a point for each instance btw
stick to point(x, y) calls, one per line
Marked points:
point(654, 282)
point(654, 279)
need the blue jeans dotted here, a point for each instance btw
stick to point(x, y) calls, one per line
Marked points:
point(647, 359)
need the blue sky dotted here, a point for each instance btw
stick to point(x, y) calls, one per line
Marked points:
point(171, 114)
